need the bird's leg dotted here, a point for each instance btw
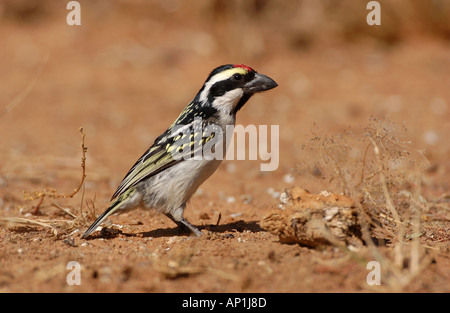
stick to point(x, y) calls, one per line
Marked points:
point(191, 227)
point(184, 225)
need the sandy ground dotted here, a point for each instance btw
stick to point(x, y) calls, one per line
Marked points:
point(125, 80)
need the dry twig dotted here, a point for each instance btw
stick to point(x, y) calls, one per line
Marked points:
point(52, 193)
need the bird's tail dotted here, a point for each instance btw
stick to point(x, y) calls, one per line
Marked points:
point(112, 209)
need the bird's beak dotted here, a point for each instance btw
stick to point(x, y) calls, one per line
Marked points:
point(259, 83)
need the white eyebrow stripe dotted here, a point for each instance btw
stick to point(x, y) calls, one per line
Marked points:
point(219, 77)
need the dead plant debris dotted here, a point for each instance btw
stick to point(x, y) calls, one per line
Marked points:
point(315, 219)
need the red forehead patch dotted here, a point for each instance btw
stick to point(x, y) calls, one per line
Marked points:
point(247, 68)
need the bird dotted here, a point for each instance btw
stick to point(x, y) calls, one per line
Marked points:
point(166, 176)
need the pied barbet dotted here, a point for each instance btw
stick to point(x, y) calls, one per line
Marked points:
point(170, 171)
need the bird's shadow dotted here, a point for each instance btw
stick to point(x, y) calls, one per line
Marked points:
point(238, 226)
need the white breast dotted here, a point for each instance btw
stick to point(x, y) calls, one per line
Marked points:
point(169, 190)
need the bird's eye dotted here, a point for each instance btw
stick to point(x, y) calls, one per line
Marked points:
point(237, 76)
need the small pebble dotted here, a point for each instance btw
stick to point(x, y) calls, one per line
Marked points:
point(231, 200)
point(284, 198)
point(288, 178)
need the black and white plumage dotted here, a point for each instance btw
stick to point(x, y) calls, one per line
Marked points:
point(167, 174)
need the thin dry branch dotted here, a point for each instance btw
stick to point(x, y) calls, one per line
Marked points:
point(64, 210)
point(28, 222)
point(364, 164)
point(383, 182)
point(52, 193)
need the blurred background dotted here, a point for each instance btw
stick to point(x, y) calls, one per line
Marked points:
point(132, 66)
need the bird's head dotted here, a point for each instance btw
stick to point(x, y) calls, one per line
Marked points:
point(229, 87)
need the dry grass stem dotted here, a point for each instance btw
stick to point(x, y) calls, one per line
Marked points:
point(386, 187)
point(52, 193)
